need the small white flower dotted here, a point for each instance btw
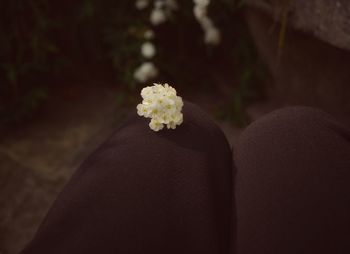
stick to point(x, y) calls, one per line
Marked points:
point(155, 125)
point(201, 2)
point(199, 12)
point(148, 50)
point(212, 36)
point(149, 34)
point(206, 23)
point(162, 105)
point(141, 4)
point(172, 5)
point(158, 17)
point(145, 72)
point(159, 4)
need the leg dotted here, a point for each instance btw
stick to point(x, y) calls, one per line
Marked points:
point(293, 184)
point(147, 192)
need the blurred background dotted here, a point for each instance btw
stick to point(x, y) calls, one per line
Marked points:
point(71, 71)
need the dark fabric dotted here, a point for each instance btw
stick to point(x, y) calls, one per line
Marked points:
point(170, 192)
point(293, 184)
point(147, 192)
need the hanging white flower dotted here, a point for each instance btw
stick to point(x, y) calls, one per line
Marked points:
point(159, 4)
point(199, 12)
point(158, 17)
point(172, 5)
point(212, 36)
point(148, 50)
point(201, 2)
point(162, 105)
point(145, 72)
point(141, 4)
point(206, 23)
point(149, 34)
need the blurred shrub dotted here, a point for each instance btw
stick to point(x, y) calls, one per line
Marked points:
point(40, 39)
point(25, 52)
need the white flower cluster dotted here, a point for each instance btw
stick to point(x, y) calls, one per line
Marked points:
point(145, 72)
point(212, 34)
point(149, 34)
point(141, 4)
point(162, 105)
point(148, 50)
point(162, 11)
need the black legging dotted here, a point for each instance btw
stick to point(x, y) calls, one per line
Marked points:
point(293, 185)
point(171, 191)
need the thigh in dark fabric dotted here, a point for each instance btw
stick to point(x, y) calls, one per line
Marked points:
point(293, 184)
point(147, 192)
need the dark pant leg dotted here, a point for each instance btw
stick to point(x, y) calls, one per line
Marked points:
point(293, 184)
point(147, 192)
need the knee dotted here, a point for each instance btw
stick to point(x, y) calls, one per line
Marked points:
point(291, 163)
point(285, 149)
point(287, 121)
point(284, 131)
point(198, 131)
